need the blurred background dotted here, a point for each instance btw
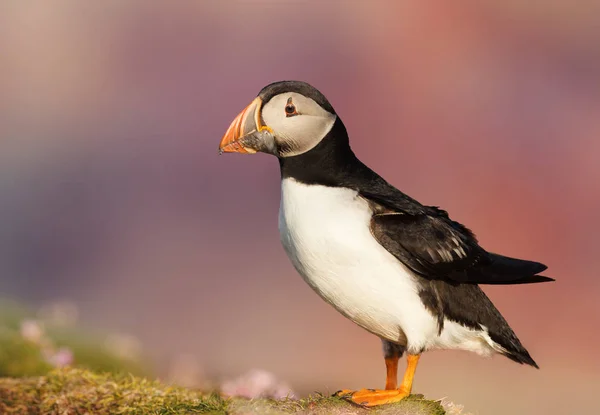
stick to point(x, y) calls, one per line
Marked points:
point(116, 210)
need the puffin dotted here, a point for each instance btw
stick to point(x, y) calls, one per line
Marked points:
point(404, 271)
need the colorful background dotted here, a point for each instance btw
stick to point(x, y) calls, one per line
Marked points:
point(113, 197)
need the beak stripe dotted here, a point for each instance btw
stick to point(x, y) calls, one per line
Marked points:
point(230, 141)
point(227, 133)
point(238, 123)
point(243, 119)
point(257, 115)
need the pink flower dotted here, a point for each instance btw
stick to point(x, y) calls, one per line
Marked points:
point(32, 330)
point(61, 358)
point(257, 384)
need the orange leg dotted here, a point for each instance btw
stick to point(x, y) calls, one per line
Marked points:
point(373, 397)
point(409, 375)
point(391, 379)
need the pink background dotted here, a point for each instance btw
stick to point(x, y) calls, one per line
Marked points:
point(112, 194)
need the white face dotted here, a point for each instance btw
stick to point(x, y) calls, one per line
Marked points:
point(298, 122)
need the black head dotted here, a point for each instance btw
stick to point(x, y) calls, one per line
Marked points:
point(288, 118)
point(298, 87)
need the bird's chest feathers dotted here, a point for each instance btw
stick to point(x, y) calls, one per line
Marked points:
point(323, 230)
point(326, 234)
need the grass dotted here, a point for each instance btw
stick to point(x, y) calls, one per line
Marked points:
point(94, 382)
point(22, 357)
point(78, 391)
point(19, 357)
point(89, 354)
point(329, 405)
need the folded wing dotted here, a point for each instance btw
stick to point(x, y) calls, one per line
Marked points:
point(436, 247)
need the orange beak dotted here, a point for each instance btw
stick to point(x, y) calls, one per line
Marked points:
point(246, 132)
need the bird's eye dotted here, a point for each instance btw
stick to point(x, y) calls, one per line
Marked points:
point(290, 109)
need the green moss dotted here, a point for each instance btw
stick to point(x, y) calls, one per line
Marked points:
point(329, 405)
point(19, 357)
point(76, 391)
point(87, 354)
point(79, 391)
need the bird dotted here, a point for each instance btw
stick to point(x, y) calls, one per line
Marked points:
point(403, 271)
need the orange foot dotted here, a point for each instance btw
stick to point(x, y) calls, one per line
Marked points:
point(373, 397)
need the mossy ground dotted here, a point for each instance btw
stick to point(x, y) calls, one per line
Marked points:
point(21, 357)
point(77, 391)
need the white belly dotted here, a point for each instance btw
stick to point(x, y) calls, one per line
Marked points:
point(325, 232)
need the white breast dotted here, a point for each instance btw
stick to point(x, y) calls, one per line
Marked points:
point(325, 232)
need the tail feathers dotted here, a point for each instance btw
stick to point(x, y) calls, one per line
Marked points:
point(511, 346)
point(521, 357)
point(506, 265)
point(506, 270)
point(503, 280)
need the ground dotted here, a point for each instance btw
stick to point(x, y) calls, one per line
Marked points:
point(77, 391)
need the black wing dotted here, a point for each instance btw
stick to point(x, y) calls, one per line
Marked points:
point(436, 247)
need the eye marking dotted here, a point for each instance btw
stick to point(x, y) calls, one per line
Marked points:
point(290, 108)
